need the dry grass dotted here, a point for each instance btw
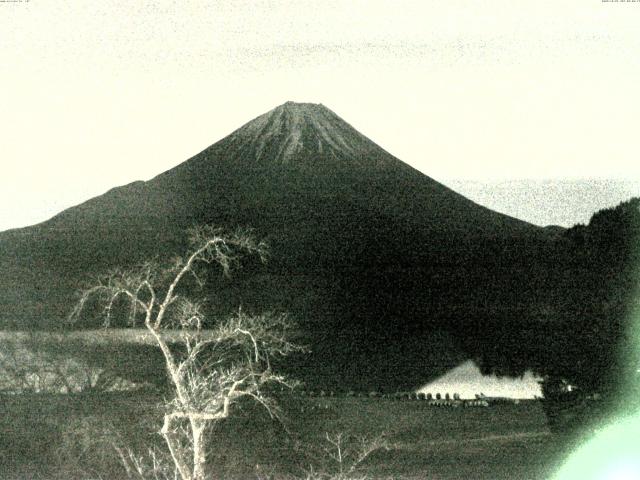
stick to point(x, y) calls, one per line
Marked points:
point(502, 442)
point(72, 436)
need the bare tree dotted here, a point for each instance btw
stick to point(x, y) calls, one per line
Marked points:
point(209, 369)
point(344, 456)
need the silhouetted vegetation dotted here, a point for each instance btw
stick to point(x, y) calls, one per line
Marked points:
point(580, 334)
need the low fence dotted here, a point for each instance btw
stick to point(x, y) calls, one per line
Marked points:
point(428, 399)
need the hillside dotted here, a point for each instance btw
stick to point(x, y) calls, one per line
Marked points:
point(375, 259)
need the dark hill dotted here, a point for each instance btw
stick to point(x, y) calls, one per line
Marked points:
point(375, 259)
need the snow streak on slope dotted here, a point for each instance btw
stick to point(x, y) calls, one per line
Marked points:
point(305, 132)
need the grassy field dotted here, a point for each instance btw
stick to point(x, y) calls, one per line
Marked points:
point(51, 435)
point(73, 436)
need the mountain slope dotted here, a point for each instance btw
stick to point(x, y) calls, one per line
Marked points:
point(369, 254)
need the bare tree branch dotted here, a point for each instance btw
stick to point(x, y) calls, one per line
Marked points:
point(215, 368)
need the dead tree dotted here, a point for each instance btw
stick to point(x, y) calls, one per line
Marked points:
point(210, 369)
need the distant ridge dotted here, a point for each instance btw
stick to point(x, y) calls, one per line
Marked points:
point(557, 201)
point(375, 259)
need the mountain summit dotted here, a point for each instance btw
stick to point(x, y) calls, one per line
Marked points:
point(305, 133)
point(380, 264)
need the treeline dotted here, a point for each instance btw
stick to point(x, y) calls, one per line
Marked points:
point(583, 330)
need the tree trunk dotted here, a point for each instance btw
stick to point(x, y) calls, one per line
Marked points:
point(174, 448)
point(199, 450)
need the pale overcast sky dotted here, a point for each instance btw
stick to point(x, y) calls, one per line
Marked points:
point(98, 94)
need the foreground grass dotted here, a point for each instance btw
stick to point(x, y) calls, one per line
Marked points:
point(73, 436)
point(62, 436)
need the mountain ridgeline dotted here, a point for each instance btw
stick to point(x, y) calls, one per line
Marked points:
point(390, 274)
